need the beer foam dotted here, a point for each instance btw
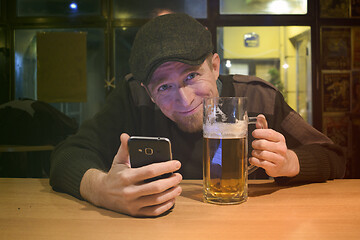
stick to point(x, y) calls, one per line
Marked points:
point(225, 130)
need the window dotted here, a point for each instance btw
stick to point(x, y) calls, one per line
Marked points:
point(27, 8)
point(273, 7)
point(25, 71)
point(149, 9)
point(124, 38)
point(4, 67)
point(280, 55)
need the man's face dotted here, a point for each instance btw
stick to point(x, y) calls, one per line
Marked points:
point(179, 89)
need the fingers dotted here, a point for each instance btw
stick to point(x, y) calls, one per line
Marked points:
point(269, 151)
point(154, 198)
point(268, 134)
point(268, 143)
point(158, 186)
point(262, 163)
point(154, 170)
point(125, 190)
point(157, 210)
point(143, 189)
point(158, 203)
point(266, 156)
point(272, 147)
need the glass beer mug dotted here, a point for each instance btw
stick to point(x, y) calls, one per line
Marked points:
point(225, 150)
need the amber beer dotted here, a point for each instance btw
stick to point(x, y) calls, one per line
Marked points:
point(225, 162)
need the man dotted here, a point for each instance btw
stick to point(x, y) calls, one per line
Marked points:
point(173, 70)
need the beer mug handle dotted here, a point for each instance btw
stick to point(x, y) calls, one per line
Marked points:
point(263, 125)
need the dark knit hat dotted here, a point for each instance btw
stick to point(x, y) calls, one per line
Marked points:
point(172, 37)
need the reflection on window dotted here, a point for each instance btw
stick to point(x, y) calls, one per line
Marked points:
point(25, 71)
point(124, 38)
point(58, 8)
point(334, 8)
point(273, 7)
point(149, 9)
point(279, 55)
point(4, 68)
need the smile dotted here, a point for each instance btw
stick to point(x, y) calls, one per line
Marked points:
point(191, 111)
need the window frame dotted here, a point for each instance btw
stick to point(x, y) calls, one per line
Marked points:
point(214, 19)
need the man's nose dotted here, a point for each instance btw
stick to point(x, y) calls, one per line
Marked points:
point(185, 96)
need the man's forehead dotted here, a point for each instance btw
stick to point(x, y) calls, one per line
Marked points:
point(171, 65)
point(167, 68)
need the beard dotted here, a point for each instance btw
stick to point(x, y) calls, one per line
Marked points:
point(190, 124)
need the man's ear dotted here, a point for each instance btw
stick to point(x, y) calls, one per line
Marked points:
point(216, 64)
point(148, 92)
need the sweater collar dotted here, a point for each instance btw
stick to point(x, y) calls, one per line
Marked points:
point(225, 86)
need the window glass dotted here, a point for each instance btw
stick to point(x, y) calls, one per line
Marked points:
point(334, 8)
point(124, 38)
point(4, 67)
point(279, 55)
point(149, 9)
point(58, 7)
point(25, 71)
point(274, 7)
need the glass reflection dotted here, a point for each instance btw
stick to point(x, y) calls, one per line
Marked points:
point(149, 9)
point(58, 8)
point(25, 71)
point(279, 55)
point(273, 7)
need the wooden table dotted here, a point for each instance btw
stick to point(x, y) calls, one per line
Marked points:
point(29, 209)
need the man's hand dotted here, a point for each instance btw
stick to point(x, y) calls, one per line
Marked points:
point(123, 189)
point(271, 153)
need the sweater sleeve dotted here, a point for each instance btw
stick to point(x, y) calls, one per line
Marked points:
point(95, 144)
point(319, 158)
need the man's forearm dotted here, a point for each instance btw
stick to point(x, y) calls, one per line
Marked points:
point(90, 186)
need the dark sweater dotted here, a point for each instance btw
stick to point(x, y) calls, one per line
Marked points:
point(129, 110)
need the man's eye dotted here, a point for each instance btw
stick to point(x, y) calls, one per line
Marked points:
point(191, 76)
point(163, 87)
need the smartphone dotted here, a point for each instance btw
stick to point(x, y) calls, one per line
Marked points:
point(146, 150)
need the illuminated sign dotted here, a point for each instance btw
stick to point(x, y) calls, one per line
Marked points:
point(251, 40)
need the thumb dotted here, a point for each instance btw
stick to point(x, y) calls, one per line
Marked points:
point(122, 156)
point(261, 122)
